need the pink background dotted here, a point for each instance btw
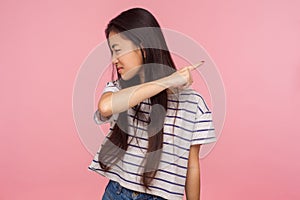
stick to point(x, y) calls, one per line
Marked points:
point(255, 45)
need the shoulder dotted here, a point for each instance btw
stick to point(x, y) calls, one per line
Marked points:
point(112, 86)
point(113, 83)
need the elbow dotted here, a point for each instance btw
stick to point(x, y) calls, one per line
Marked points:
point(105, 105)
point(104, 109)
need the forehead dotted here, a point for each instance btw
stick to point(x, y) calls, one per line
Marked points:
point(118, 39)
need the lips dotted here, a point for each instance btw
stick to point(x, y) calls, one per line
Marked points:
point(119, 69)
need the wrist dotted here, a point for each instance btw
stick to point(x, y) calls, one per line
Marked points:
point(165, 82)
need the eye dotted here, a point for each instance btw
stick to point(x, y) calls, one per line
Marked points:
point(116, 52)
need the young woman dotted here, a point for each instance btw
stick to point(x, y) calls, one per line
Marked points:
point(157, 123)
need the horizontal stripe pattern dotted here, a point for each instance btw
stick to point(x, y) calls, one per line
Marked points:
point(191, 125)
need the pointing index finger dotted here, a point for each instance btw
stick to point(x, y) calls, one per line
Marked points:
point(197, 65)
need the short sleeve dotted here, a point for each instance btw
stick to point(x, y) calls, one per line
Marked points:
point(99, 119)
point(204, 131)
point(111, 86)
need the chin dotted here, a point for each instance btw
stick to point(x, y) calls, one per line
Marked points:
point(128, 77)
point(128, 81)
point(125, 78)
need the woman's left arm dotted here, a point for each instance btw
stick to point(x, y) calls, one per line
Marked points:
point(192, 184)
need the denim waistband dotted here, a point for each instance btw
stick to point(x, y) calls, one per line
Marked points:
point(131, 193)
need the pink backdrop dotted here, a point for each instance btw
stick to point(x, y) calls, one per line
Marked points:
point(255, 45)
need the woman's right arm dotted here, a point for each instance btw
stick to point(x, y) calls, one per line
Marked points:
point(116, 102)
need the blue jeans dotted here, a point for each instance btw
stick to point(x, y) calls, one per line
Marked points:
point(114, 191)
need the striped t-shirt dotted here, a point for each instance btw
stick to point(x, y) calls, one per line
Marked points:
point(193, 125)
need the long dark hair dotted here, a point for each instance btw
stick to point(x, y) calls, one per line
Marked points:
point(156, 64)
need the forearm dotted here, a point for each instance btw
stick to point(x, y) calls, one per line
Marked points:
point(126, 98)
point(192, 187)
point(112, 103)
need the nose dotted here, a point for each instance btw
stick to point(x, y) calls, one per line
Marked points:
point(115, 60)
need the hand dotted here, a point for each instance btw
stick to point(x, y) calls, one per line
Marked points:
point(182, 78)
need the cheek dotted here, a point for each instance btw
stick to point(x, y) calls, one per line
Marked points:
point(131, 60)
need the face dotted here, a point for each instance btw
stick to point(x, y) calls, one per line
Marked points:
point(126, 57)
